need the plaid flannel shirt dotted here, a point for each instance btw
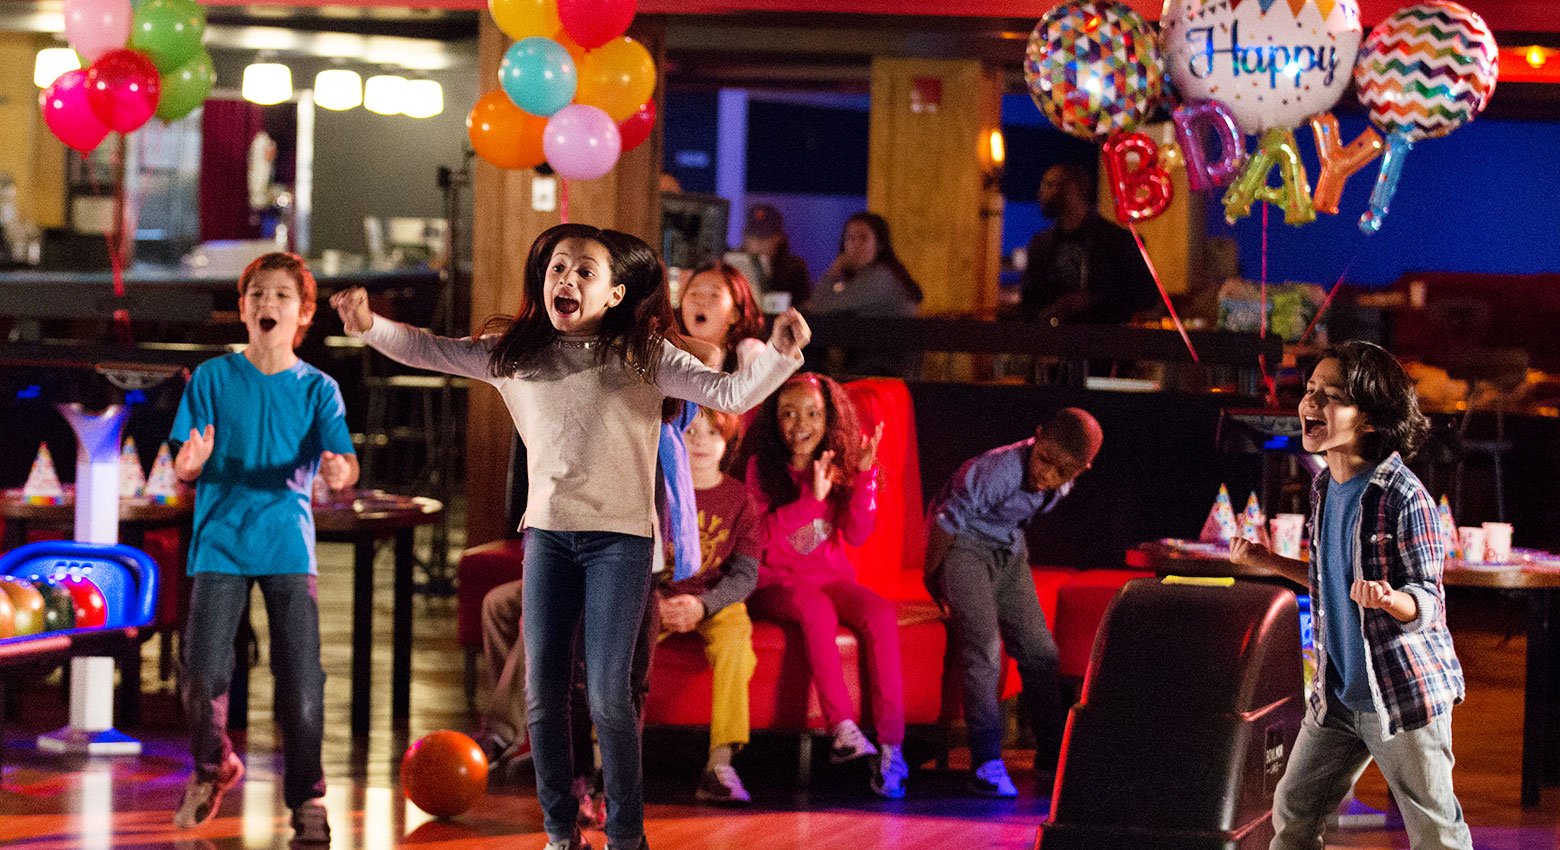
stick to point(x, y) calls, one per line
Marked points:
point(1413, 670)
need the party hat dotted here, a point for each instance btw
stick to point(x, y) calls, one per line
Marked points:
point(1220, 525)
point(43, 485)
point(1449, 526)
point(132, 481)
point(163, 485)
point(1253, 524)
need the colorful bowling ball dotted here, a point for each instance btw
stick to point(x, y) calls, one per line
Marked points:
point(444, 773)
point(59, 611)
point(27, 602)
point(7, 616)
point(91, 609)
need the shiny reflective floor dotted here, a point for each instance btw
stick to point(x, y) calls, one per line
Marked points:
point(52, 803)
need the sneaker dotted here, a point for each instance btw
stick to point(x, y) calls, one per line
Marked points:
point(578, 842)
point(849, 743)
point(310, 825)
point(720, 784)
point(889, 773)
point(991, 780)
point(593, 805)
point(201, 799)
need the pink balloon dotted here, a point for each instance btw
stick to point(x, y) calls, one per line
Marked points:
point(68, 114)
point(123, 87)
point(95, 27)
point(581, 142)
point(636, 128)
point(592, 23)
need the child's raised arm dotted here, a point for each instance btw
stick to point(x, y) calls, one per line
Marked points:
point(682, 376)
point(411, 346)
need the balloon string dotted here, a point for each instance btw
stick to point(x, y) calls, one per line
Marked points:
point(563, 201)
point(116, 244)
point(1267, 375)
point(1164, 294)
point(1327, 302)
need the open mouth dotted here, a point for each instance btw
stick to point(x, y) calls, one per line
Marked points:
point(700, 318)
point(565, 306)
point(1311, 427)
point(267, 324)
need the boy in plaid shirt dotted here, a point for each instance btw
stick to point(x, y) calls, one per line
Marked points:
point(1387, 676)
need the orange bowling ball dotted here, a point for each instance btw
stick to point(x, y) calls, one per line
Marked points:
point(7, 616)
point(27, 603)
point(444, 773)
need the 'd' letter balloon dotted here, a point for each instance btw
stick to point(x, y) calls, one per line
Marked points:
point(636, 128)
point(617, 77)
point(521, 19)
point(186, 87)
point(1339, 161)
point(168, 31)
point(1293, 195)
point(538, 75)
point(69, 115)
point(123, 87)
point(94, 27)
point(504, 134)
point(1093, 68)
point(582, 142)
point(593, 23)
point(1274, 64)
point(1140, 186)
point(1194, 121)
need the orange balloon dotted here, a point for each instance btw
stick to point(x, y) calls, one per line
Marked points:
point(521, 19)
point(27, 604)
point(505, 134)
point(576, 52)
point(444, 773)
point(616, 77)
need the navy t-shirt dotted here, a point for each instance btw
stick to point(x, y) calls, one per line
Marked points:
point(1347, 673)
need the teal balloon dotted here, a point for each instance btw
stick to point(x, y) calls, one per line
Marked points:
point(186, 87)
point(539, 75)
point(169, 32)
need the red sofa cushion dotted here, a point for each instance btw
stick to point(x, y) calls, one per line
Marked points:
point(1080, 606)
point(481, 569)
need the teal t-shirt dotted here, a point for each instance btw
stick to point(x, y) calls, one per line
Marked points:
point(252, 514)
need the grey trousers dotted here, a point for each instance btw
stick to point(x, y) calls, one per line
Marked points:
point(992, 602)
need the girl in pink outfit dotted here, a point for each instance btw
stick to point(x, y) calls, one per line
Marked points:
point(813, 477)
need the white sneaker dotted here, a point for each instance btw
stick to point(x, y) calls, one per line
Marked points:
point(890, 773)
point(849, 743)
point(720, 784)
point(991, 780)
point(578, 842)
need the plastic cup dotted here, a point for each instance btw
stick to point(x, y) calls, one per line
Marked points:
point(1472, 540)
point(1497, 542)
point(1287, 530)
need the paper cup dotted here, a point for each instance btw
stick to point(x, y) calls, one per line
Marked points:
point(1497, 542)
point(774, 303)
point(1287, 530)
point(1472, 540)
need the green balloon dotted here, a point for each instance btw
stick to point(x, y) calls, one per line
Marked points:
point(186, 87)
point(169, 32)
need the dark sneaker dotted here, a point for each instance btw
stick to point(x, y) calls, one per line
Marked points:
point(720, 784)
point(310, 826)
point(991, 780)
point(889, 774)
point(201, 799)
point(849, 743)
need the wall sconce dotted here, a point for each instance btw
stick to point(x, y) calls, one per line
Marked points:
point(996, 153)
point(51, 63)
point(267, 83)
point(338, 89)
point(1536, 56)
point(424, 99)
point(384, 94)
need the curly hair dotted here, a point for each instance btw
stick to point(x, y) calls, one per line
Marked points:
point(298, 270)
point(1375, 382)
point(749, 323)
point(633, 330)
point(764, 444)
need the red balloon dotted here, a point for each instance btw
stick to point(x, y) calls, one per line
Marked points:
point(91, 609)
point(68, 114)
point(592, 23)
point(123, 87)
point(444, 773)
point(1141, 188)
point(636, 128)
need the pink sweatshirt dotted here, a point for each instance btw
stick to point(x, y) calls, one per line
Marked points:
point(804, 542)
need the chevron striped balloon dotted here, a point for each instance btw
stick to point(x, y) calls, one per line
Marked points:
point(1427, 70)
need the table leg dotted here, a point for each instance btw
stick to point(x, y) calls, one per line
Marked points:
point(401, 636)
point(362, 631)
point(1538, 742)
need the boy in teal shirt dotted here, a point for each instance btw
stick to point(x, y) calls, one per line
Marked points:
point(256, 428)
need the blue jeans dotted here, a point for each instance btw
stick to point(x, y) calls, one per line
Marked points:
point(217, 602)
point(603, 578)
point(1328, 759)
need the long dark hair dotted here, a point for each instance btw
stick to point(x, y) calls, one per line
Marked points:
point(633, 330)
point(1376, 383)
point(842, 435)
point(885, 252)
point(750, 322)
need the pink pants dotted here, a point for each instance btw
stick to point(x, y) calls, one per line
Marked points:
point(819, 611)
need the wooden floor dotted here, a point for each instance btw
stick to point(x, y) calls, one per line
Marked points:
point(53, 803)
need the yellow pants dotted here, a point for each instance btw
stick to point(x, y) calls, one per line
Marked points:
point(728, 644)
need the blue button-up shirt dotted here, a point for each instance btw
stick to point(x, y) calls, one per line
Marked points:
point(986, 498)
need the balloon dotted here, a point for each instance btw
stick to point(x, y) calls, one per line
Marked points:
point(593, 23)
point(90, 608)
point(538, 75)
point(95, 27)
point(618, 77)
point(1277, 147)
point(68, 114)
point(186, 87)
point(504, 134)
point(1141, 187)
point(637, 127)
point(576, 52)
point(581, 142)
point(521, 19)
point(1170, 156)
point(26, 604)
point(1339, 162)
point(444, 773)
point(1273, 64)
point(1093, 68)
point(1191, 120)
point(1398, 147)
point(168, 31)
point(1427, 70)
point(123, 88)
